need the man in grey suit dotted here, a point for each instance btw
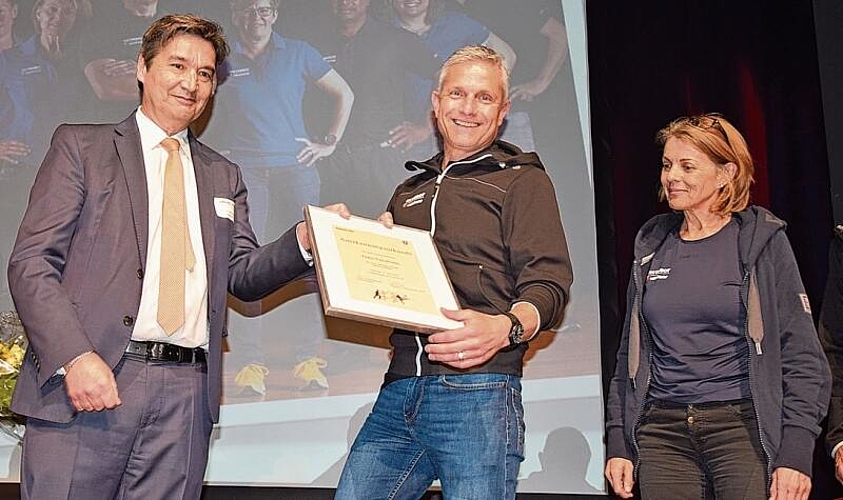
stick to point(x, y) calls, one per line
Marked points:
point(121, 403)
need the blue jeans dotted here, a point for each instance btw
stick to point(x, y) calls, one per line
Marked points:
point(465, 430)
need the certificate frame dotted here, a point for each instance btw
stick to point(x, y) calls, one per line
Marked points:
point(386, 276)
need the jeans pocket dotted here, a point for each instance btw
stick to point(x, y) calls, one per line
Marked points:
point(741, 410)
point(649, 408)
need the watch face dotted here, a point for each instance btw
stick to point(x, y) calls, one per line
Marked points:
point(330, 140)
point(516, 333)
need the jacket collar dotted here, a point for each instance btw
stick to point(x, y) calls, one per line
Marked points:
point(757, 227)
point(499, 155)
point(127, 142)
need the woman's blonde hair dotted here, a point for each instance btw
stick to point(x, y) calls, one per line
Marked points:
point(718, 139)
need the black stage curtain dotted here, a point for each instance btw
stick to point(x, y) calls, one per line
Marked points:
point(828, 16)
point(753, 61)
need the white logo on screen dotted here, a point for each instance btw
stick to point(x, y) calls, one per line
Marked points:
point(133, 41)
point(30, 70)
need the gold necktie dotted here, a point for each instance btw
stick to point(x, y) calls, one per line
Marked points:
point(176, 250)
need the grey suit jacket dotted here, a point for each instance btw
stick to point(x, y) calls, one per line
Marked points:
point(76, 270)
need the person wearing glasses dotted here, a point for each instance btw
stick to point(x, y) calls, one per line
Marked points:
point(258, 123)
point(720, 382)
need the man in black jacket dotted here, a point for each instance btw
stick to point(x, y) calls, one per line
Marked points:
point(831, 334)
point(450, 408)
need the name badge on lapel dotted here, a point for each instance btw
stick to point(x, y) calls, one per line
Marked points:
point(224, 208)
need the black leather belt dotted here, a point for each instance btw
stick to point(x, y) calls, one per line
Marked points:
point(164, 352)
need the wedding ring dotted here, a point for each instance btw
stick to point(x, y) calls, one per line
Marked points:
point(461, 355)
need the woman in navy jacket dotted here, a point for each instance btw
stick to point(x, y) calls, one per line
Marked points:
point(720, 382)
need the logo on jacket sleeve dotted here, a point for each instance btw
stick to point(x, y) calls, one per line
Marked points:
point(414, 200)
point(806, 304)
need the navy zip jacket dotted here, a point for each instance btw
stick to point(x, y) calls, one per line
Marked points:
point(790, 382)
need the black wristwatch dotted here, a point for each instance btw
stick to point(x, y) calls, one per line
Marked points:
point(516, 333)
point(329, 140)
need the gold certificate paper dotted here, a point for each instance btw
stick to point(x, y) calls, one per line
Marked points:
point(369, 273)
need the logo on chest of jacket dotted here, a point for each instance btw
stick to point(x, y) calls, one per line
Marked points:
point(661, 273)
point(414, 200)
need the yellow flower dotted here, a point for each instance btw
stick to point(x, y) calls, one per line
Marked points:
point(17, 353)
point(12, 350)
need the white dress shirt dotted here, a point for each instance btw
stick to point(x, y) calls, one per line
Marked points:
point(194, 332)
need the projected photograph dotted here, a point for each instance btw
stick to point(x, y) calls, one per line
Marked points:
point(325, 113)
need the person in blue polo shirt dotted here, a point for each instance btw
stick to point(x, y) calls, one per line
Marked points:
point(38, 79)
point(258, 123)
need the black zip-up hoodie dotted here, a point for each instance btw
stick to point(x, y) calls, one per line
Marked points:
point(495, 221)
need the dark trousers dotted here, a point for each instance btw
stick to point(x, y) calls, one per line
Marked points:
point(701, 452)
point(831, 334)
point(153, 446)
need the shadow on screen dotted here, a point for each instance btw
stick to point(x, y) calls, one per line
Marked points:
point(564, 463)
point(332, 475)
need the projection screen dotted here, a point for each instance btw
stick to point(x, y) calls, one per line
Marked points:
point(297, 384)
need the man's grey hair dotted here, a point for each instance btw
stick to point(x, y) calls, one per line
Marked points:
point(477, 53)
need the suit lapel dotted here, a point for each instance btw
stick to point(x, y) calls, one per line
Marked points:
point(205, 186)
point(128, 144)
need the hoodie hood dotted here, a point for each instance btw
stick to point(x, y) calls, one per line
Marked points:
point(500, 154)
point(757, 226)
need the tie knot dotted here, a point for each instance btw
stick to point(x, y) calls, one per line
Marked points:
point(170, 145)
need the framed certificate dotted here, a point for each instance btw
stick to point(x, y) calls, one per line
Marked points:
point(367, 272)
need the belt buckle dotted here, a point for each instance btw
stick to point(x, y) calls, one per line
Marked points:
point(153, 351)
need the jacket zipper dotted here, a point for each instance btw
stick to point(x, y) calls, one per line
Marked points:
point(439, 179)
point(751, 344)
point(642, 326)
